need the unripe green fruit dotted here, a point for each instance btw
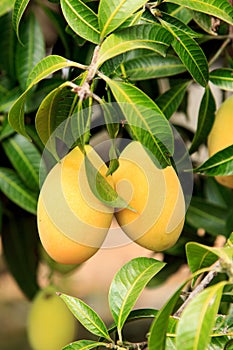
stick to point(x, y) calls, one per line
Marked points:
point(51, 325)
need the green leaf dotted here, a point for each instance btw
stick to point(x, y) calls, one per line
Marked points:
point(204, 21)
point(158, 329)
point(20, 246)
point(146, 121)
point(25, 158)
point(150, 67)
point(7, 46)
point(206, 117)
point(84, 345)
point(81, 19)
point(171, 99)
point(19, 9)
point(223, 78)
point(102, 189)
point(212, 218)
point(45, 67)
point(148, 36)
point(216, 8)
point(221, 163)
point(112, 15)
point(86, 316)
point(190, 53)
point(56, 107)
point(200, 256)
point(32, 50)
point(14, 188)
point(6, 6)
point(127, 285)
point(198, 319)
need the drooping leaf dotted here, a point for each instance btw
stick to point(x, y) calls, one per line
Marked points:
point(179, 12)
point(149, 36)
point(45, 67)
point(53, 111)
point(198, 319)
point(112, 15)
point(81, 19)
point(20, 245)
point(102, 189)
point(190, 53)
point(212, 218)
point(86, 316)
point(19, 9)
point(127, 285)
point(171, 99)
point(146, 121)
point(216, 8)
point(15, 189)
point(206, 117)
point(32, 50)
point(85, 345)
point(223, 78)
point(221, 163)
point(25, 158)
point(150, 67)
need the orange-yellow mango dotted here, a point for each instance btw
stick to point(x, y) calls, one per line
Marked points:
point(72, 222)
point(221, 135)
point(155, 194)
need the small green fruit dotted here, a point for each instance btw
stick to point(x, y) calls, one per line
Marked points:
point(51, 325)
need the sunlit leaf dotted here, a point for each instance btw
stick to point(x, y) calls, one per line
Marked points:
point(127, 285)
point(149, 36)
point(112, 15)
point(81, 19)
point(223, 78)
point(19, 9)
point(84, 345)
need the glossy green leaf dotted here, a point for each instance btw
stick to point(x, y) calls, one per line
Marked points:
point(81, 19)
point(127, 285)
point(15, 189)
point(20, 245)
point(146, 121)
point(200, 256)
point(204, 21)
point(198, 319)
point(171, 99)
point(221, 163)
point(158, 329)
point(150, 67)
point(212, 218)
point(217, 8)
point(6, 6)
point(32, 50)
point(112, 15)
point(25, 158)
point(102, 189)
point(190, 53)
point(45, 67)
point(148, 36)
point(86, 316)
point(223, 78)
point(206, 117)
point(19, 9)
point(85, 345)
point(179, 12)
point(7, 46)
point(54, 109)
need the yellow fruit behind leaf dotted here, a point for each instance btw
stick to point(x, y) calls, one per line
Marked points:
point(50, 324)
point(72, 222)
point(221, 135)
point(155, 194)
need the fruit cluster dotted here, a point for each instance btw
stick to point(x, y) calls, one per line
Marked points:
point(73, 222)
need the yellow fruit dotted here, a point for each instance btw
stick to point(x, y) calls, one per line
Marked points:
point(72, 222)
point(50, 325)
point(155, 194)
point(221, 135)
